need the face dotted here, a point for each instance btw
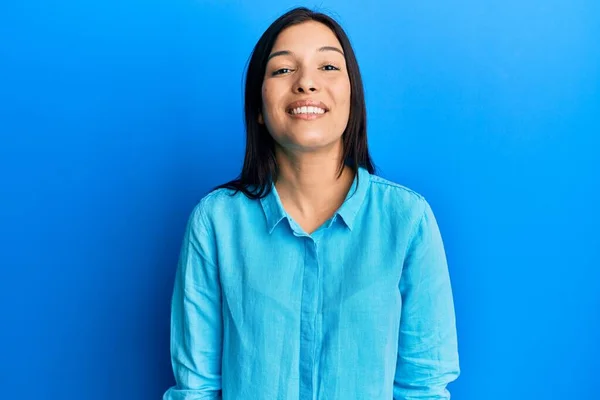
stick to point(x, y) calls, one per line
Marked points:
point(306, 89)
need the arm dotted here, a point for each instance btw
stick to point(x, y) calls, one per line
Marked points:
point(196, 319)
point(427, 343)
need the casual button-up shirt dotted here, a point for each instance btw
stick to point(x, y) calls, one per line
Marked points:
point(361, 308)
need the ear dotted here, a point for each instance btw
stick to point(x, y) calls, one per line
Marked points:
point(261, 121)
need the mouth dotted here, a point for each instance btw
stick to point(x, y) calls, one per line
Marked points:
point(307, 113)
point(307, 109)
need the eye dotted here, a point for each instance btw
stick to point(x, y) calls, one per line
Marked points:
point(330, 67)
point(281, 71)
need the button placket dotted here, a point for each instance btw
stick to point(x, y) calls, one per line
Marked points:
point(309, 313)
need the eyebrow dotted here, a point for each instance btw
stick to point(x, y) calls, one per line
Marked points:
point(288, 53)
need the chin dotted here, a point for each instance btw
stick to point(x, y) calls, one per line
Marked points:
point(314, 142)
point(306, 140)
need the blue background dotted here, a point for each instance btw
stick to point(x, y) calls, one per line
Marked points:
point(117, 116)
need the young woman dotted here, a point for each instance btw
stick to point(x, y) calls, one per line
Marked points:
point(309, 277)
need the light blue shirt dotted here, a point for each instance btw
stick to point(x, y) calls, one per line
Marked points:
point(361, 308)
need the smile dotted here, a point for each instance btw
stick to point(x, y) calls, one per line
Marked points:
point(309, 112)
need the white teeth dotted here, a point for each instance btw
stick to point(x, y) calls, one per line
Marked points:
point(308, 110)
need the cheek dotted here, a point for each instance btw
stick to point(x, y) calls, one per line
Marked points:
point(343, 103)
point(270, 91)
point(269, 109)
point(265, 95)
point(342, 92)
point(268, 99)
point(347, 92)
point(344, 97)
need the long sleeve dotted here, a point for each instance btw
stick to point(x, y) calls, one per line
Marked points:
point(196, 319)
point(428, 351)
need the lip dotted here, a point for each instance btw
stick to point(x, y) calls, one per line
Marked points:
point(306, 103)
point(305, 116)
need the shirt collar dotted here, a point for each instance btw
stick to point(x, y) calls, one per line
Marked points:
point(274, 211)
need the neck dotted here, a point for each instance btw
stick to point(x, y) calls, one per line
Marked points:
point(308, 183)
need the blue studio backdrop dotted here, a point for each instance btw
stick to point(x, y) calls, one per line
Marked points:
point(117, 116)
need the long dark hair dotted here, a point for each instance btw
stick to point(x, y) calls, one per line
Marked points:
point(260, 166)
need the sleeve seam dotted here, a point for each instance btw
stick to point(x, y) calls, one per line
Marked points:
point(416, 226)
point(206, 230)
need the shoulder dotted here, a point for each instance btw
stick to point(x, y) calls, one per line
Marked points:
point(401, 205)
point(383, 184)
point(221, 198)
point(219, 205)
point(396, 197)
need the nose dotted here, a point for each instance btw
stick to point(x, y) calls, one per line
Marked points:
point(305, 83)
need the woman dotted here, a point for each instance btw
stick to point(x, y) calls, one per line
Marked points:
point(310, 277)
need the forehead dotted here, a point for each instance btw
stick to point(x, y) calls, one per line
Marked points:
point(308, 35)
